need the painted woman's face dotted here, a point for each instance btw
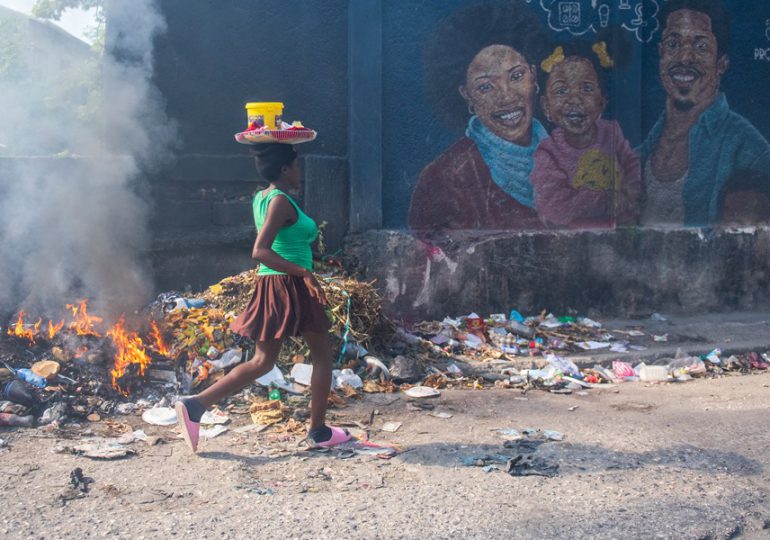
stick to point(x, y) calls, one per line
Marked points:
point(500, 89)
point(574, 100)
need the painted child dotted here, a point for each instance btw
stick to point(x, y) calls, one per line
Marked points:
point(585, 175)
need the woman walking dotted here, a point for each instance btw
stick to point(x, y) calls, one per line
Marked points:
point(287, 301)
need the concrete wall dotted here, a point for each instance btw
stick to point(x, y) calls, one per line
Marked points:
point(376, 80)
point(213, 59)
point(597, 273)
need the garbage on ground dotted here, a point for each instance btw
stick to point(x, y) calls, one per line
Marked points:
point(524, 460)
point(15, 420)
point(81, 369)
point(214, 416)
point(391, 427)
point(97, 448)
point(404, 369)
point(160, 416)
point(531, 466)
point(268, 412)
point(366, 448)
point(347, 377)
point(302, 373)
point(422, 392)
point(215, 431)
point(652, 373)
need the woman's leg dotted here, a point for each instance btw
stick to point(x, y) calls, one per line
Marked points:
point(321, 381)
point(264, 358)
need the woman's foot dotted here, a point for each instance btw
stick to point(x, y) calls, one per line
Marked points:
point(185, 409)
point(326, 437)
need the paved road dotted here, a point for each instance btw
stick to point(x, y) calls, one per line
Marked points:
point(639, 461)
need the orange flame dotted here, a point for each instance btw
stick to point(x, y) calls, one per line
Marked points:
point(80, 351)
point(83, 324)
point(157, 339)
point(131, 350)
point(19, 331)
point(53, 329)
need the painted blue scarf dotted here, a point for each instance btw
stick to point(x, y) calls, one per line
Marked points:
point(509, 163)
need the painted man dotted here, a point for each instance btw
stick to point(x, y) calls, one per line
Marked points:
point(698, 145)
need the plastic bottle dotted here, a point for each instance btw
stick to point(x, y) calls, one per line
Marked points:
point(521, 329)
point(7, 419)
point(30, 377)
point(653, 373)
point(274, 394)
point(18, 392)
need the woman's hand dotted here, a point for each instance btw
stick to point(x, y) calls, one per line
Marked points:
point(316, 291)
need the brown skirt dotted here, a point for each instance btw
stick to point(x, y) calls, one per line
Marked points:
point(281, 306)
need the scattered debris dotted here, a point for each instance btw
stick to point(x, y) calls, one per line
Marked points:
point(160, 416)
point(391, 427)
point(215, 431)
point(97, 448)
point(422, 392)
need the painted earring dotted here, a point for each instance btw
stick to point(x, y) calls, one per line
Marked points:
point(470, 109)
point(537, 88)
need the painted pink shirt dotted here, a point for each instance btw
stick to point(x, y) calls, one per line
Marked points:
point(575, 187)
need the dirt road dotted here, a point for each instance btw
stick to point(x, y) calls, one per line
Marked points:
point(639, 461)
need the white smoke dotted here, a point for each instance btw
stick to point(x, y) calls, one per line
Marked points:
point(77, 226)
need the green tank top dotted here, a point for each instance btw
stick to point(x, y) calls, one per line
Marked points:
point(292, 242)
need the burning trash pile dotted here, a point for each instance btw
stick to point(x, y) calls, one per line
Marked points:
point(77, 367)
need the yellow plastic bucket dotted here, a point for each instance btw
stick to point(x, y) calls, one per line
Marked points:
point(264, 114)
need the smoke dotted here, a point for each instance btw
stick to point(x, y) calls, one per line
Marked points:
point(73, 222)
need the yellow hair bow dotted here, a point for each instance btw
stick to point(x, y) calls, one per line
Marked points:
point(556, 57)
point(600, 49)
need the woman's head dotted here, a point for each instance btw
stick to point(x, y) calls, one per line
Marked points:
point(277, 162)
point(499, 88)
point(480, 60)
point(575, 83)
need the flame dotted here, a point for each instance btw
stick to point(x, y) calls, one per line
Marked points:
point(54, 329)
point(83, 323)
point(19, 331)
point(131, 350)
point(157, 339)
point(80, 351)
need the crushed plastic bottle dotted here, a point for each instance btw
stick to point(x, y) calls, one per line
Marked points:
point(30, 377)
point(17, 392)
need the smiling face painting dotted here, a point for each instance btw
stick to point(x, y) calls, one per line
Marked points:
point(500, 90)
point(690, 67)
point(574, 100)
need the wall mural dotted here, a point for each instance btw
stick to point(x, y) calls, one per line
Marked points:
point(532, 84)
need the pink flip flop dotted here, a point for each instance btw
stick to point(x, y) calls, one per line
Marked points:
point(190, 429)
point(339, 436)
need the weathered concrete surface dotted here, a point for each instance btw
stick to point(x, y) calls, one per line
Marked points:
point(684, 461)
point(625, 272)
point(193, 260)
